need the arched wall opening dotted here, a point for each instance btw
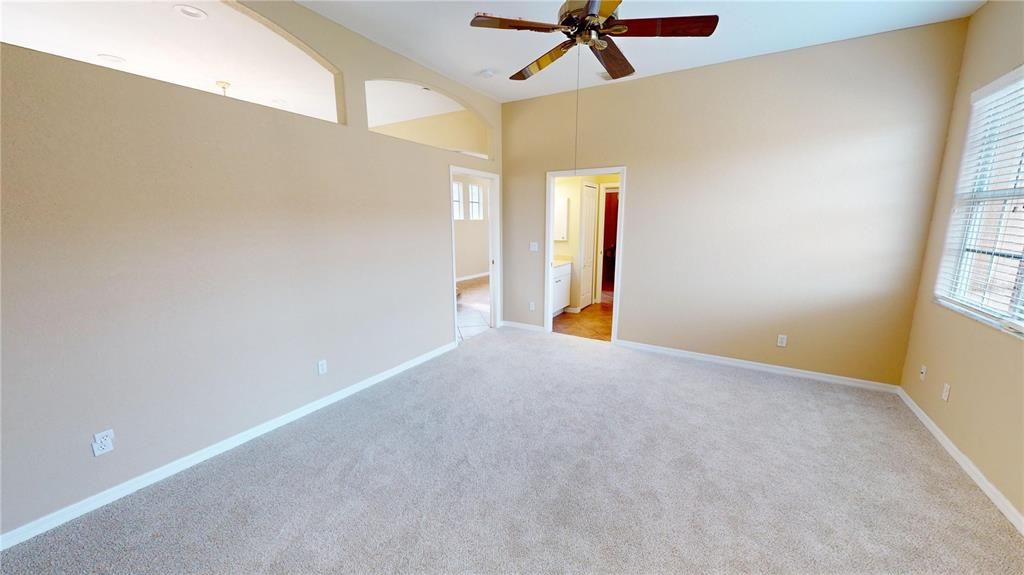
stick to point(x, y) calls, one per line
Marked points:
point(420, 114)
point(219, 47)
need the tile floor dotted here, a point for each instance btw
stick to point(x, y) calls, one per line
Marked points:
point(474, 307)
point(594, 321)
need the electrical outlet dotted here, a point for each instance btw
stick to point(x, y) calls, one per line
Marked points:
point(923, 373)
point(782, 340)
point(945, 392)
point(321, 367)
point(532, 306)
point(103, 442)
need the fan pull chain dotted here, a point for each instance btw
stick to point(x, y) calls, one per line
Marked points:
point(576, 136)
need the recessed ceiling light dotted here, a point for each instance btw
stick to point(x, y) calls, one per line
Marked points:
point(110, 59)
point(486, 73)
point(190, 12)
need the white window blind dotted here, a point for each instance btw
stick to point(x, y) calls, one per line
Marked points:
point(457, 211)
point(476, 207)
point(982, 271)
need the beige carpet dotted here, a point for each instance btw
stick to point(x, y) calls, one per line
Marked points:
point(526, 452)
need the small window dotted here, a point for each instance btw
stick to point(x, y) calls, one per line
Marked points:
point(982, 272)
point(476, 207)
point(457, 212)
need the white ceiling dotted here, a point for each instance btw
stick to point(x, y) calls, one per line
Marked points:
point(389, 101)
point(438, 35)
point(157, 42)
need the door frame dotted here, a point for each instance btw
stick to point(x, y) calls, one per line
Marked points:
point(549, 239)
point(582, 251)
point(493, 242)
point(602, 207)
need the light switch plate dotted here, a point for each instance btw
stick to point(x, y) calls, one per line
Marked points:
point(782, 340)
point(945, 392)
point(321, 367)
point(534, 247)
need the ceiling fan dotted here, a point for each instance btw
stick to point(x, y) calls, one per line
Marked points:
point(593, 23)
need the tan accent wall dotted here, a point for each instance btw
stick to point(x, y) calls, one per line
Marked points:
point(984, 367)
point(472, 244)
point(788, 193)
point(176, 262)
point(461, 131)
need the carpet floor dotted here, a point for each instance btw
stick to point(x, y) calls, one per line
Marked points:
point(541, 453)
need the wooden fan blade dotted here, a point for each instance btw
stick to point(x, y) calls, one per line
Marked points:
point(608, 7)
point(601, 8)
point(488, 21)
point(613, 60)
point(678, 26)
point(544, 61)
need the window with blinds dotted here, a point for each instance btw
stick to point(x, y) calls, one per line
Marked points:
point(982, 271)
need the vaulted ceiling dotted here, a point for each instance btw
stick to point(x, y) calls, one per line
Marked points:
point(438, 35)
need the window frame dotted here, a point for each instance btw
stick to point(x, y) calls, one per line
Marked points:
point(476, 214)
point(957, 258)
point(458, 206)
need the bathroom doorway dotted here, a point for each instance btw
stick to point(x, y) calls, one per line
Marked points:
point(607, 233)
point(583, 252)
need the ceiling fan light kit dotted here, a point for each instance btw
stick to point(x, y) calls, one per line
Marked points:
point(592, 23)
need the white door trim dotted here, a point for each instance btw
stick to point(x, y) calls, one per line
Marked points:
point(493, 237)
point(549, 239)
point(582, 253)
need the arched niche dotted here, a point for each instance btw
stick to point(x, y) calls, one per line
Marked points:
point(421, 114)
point(219, 47)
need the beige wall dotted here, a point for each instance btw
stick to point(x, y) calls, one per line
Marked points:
point(788, 193)
point(176, 262)
point(462, 131)
point(472, 245)
point(984, 367)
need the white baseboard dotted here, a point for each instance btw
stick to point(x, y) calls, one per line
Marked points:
point(47, 522)
point(573, 309)
point(472, 277)
point(993, 493)
point(518, 325)
point(765, 367)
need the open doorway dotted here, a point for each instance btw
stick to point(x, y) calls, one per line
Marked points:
point(607, 236)
point(584, 251)
point(475, 209)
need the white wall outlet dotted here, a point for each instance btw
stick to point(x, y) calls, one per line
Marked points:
point(321, 367)
point(923, 373)
point(945, 392)
point(533, 306)
point(782, 340)
point(102, 442)
point(534, 247)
